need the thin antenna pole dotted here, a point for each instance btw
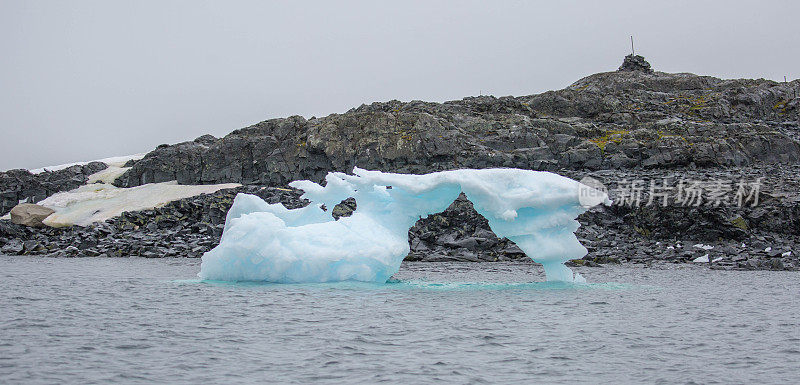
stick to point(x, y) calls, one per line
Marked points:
point(633, 52)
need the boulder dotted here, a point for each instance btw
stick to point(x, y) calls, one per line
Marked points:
point(29, 214)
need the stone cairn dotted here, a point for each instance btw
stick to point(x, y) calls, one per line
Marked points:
point(635, 63)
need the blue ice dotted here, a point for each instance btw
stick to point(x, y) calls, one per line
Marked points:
point(268, 242)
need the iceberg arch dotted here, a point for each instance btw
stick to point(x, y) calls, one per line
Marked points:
point(268, 242)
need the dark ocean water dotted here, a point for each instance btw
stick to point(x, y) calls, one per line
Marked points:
point(140, 321)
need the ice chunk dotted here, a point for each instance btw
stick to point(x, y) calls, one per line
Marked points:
point(703, 259)
point(263, 242)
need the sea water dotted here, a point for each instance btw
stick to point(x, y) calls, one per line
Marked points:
point(94, 320)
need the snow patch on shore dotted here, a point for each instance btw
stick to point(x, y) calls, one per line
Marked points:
point(117, 161)
point(98, 202)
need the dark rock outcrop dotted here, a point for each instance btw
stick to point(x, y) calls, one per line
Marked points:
point(614, 120)
point(459, 234)
point(22, 186)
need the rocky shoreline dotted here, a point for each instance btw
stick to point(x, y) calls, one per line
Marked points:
point(764, 237)
point(633, 124)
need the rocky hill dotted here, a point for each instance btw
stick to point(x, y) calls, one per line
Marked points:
point(614, 120)
point(633, 124)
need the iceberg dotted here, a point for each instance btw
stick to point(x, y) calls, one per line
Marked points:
point(268, 242)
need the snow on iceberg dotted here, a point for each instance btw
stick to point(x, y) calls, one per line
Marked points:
point(268, 242)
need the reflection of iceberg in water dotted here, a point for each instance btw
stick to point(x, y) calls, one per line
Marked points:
point(268, 242)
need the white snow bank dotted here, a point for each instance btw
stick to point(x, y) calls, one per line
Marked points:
point(267, 242)
point(100, 201)
point(118, 161)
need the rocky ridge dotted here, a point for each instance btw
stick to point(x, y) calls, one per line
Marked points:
point(632, 124)
point(615, 120)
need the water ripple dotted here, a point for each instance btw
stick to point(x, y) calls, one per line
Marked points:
point(135, 321)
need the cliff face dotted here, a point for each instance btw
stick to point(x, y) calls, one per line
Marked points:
point(616, 120)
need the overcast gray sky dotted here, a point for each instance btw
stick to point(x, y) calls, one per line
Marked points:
point(82, 80)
